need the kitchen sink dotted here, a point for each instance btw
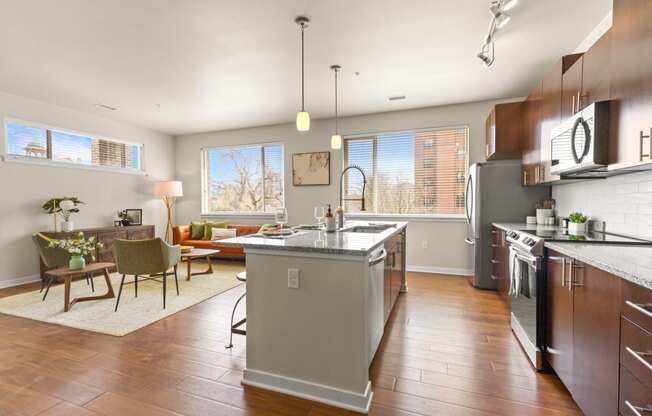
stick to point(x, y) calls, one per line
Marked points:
point(369, 229)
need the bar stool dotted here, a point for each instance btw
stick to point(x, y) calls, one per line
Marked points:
point(235, 328)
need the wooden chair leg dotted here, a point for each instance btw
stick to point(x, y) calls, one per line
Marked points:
point(42, 285)
point(136, 285)
point(165, 286)
point(176, 279)
point(117, 302)
point(90, 277)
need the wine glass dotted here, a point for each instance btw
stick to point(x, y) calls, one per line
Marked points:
point(281, 217)
point(319, 215)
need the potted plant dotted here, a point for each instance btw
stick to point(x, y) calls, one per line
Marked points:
point(577, 223)
point(66, 205)
point(79, 248)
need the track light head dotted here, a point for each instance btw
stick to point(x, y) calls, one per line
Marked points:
point(502, 19)
point(487, 60)
point(509, 4)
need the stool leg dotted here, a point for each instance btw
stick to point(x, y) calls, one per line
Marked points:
point(232, 316)
point(117, 302)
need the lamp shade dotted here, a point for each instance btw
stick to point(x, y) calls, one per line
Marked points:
point(336, 141)
point(303, 121)
point(168, 189)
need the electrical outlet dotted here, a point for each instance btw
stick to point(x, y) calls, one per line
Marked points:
point(293, 278)
point(424, 244)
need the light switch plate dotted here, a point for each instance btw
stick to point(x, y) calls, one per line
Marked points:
point(293, 278)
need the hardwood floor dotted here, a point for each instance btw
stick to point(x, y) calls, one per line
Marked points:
point(447, 350)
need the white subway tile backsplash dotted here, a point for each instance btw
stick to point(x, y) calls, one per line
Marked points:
point(624, 202)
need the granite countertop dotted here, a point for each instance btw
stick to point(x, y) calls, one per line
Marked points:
point(630, 262)
point(313, 241)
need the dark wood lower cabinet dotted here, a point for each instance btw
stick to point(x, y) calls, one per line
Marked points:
point(560, 318)
point(596, 339)
point(500, 263)
point(106, 236)
point(394, 269)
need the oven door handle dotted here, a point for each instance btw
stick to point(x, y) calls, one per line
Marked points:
point(531, 260)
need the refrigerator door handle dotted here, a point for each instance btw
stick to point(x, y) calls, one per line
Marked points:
point(468, 199)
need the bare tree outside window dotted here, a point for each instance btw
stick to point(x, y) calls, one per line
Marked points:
point(244, 178)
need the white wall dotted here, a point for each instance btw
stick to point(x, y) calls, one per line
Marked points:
point(445, 252)
point(24, 187)
point(624, 202)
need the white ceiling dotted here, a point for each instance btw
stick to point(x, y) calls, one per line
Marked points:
point(196, 65)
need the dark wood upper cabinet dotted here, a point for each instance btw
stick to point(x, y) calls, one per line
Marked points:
point(531, 154)
point(596, 72)
point(560, 318)
point(571, 89)
point(504, 131)
point(631, 83)
point(596, 339)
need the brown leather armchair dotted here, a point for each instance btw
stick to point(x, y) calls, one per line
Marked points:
point(181, 236)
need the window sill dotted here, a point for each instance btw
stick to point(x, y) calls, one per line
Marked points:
point(244, 215)
point(408, 217)
point(53, 164)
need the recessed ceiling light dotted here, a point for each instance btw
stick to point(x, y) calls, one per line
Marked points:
point(357, 73)
point(106, 107)
point(396, 98)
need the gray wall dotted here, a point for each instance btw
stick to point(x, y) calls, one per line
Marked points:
point(434, 245)
point(624, 202)
point(24, 187)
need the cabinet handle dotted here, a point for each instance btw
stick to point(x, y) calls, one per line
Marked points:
point(573, 268)
point(563, 272)
point(486, 150)
point(640, 356)
point(642, 139)
point(495, 246)
point(525, 177)
point(573, 110)
point(579, 101)
point(640, 307)
point(494, 261)
point(637, 410)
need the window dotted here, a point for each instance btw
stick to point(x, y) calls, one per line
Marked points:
point(242, 179)
point(427, 144)
point(401, 179)
point(30, 142)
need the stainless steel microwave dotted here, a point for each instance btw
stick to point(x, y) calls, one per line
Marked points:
point(580, 145)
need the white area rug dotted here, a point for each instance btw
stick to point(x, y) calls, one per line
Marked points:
point(133, 313)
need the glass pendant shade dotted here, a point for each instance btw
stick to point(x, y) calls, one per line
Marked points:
point(303, 121)
point(336, 142)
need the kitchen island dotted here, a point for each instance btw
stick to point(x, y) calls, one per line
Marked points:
point(317, 303)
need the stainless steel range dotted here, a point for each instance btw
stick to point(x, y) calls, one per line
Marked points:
point(527, 275)
point(528, 290)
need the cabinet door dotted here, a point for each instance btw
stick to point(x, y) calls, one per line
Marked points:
point(550, 116)
point(532, 146)
point(596, 339)
point(596, 72)
point(560, 319)
point(397, 269)
point(571, 91)
point(105, 254)
point(490, 134)
point(140, 233)
point(631, 82)
point(387, 285)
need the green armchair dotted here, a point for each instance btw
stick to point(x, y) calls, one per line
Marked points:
point(53, 258)
point(150, 258)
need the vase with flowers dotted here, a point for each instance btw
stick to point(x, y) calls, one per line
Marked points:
point(79, 249)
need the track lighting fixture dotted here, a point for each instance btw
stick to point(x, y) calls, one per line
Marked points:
point(500, 18)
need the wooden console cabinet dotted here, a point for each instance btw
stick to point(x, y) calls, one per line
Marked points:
point(106, 236)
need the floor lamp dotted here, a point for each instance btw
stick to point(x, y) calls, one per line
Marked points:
point(169, 191)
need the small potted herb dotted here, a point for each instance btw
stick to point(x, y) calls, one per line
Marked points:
point(577, 223)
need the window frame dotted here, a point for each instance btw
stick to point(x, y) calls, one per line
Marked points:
point(203, 155)
point(9, 157)
point(412, 217)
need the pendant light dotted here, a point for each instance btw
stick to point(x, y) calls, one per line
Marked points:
point(336, 139)
point(303, 117)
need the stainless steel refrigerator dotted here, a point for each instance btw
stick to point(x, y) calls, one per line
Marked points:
point(494, 193)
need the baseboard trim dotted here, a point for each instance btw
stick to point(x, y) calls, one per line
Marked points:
point(439, 270)
point(311, 391)
point(19, 281)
